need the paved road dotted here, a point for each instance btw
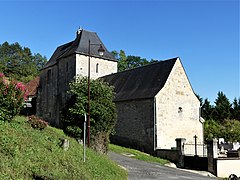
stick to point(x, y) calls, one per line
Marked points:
point(143, 170)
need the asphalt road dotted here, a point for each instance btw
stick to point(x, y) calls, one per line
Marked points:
point(143, 170)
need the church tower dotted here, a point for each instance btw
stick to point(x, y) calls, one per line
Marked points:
point(67, 61)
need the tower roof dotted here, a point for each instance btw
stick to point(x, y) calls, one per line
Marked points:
point(80, 46)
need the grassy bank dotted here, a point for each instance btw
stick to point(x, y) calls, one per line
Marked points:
point(27, 153)
point(136, 154)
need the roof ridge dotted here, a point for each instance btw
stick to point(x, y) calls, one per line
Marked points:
point(139, 67)
point(142, 82)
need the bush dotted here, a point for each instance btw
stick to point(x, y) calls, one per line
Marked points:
point(102, 111)
point(12, 96)
point(74, 131)
point(212, 130)
point(229, 129)
point(37, 123)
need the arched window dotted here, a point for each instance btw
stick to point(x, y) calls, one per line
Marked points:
point(97, 67)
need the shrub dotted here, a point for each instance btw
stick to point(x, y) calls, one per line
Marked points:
point(74, 131)
point(102, 111)
point(37, 123)
point(12, 96)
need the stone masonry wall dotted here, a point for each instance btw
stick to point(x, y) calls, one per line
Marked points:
point(98, 67)
point(134, 126)
point(54, 83)
point(52, 92)
point(47, 94)
point(177, 110)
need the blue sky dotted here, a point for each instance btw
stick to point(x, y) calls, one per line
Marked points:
point(203, 33)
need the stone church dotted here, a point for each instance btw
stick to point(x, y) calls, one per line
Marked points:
point(67, 61)
point(155, 103)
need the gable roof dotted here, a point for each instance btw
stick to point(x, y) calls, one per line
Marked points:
point(142, 82)
point(80, 46)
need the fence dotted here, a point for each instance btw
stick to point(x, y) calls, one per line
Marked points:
point(195, 149)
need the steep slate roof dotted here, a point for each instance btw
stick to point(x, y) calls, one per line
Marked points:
point(80, 46)
point(140, 83)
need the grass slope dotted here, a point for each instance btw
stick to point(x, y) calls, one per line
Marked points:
point(27, 153)
point(136, 154)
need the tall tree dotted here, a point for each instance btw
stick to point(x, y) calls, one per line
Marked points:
point(19, 63)
point(122, 63)
point(207, 110)
point(103, 111)
point(235, 110)
point(222, 107)
point(130, 62)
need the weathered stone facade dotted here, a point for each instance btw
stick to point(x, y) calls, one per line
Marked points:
point(135, 124)
point(177, 110)
point(156, 105)
point(98, 67)
point(66, 62)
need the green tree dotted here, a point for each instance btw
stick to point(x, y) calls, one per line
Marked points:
point(136, 61)
point(122, 60)
point(18, 62)
point(235, 110)
point(130, 62)
point(222, 107)
point(211, 130)
point(207, 110)
point(231, 130)
point(103, 111)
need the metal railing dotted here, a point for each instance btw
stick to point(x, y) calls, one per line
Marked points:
point(195, 149)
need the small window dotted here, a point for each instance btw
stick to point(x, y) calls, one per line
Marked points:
point(97, 67)
point(180, 110)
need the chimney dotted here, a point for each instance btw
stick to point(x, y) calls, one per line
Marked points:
point(78, 31)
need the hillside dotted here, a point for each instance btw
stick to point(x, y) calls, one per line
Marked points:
point(27, 153)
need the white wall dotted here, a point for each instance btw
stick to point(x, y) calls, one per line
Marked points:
point(105, 67)
point(225, 167)
point(170, 122)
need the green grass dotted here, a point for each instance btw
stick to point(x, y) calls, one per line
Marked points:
point(137, 154)
point(26, 153)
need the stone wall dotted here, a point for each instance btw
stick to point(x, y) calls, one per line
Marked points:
point(98, 67)
point(47, 91)
point(177, 110)
point(134, 126)
point(54, 83)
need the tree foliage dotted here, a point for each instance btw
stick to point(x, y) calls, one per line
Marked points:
point(235, 110)
point(222, 119)
point(129, 62)
point(19, 63)
point(212, 130)
point(229, 130)
point(222, 107)
point(103, 111)
point(207, 109)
